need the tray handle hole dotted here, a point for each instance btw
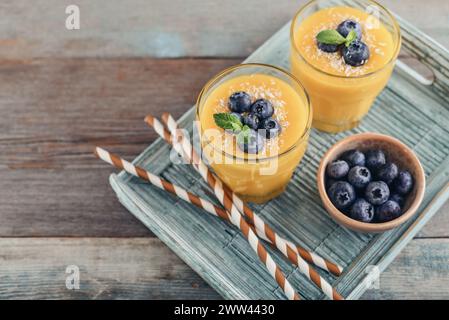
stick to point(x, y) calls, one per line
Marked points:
point(416, 69)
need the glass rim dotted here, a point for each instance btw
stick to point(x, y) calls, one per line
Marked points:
point(392, 59)
point(227, 71)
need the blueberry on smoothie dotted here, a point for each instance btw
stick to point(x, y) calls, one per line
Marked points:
point(251, 120)
point(356, 53)
point(239, 102)
point(262, 108)
point(327, 47)
point(253, 144)
point(271, 126)
point(346, 26)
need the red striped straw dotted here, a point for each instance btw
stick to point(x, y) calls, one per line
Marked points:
point(229, 200)
point(235, 217)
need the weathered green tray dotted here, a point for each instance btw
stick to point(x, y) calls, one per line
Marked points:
point(411, 108)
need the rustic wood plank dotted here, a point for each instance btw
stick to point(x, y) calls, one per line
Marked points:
point(141, 28)
point(142, 268)
point(135, 268)
point(54, 111)
point(421, 271)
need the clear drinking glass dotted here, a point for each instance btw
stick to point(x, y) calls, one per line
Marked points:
point(341, 101)
point(256, 178)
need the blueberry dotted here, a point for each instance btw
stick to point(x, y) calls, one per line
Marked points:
point(388, 211)
point(254, 144)
point(377, 193)
point(239, 102)
point(356, 54)
point(262, 108)
point(388, 172)
point(327, 47)
point(238, 116)
point(342, 194)
point(337, 169)
point(403, 184)
point(346, 26)
point(354, 158)
point(271, 126)
point(359, 177)
point(375, 159)
point(398, 198)
point(362, 210)
point(251, 120)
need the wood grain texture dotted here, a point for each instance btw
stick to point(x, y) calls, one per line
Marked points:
point(177, 28)
point(110, 268)
point(59, 97)
point(141, 268)
point(54, 111)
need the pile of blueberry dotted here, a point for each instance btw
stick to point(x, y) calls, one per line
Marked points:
point(257, 116)
point(357, 52)
point(366, 187)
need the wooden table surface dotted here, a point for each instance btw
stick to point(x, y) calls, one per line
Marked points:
point(63, 92)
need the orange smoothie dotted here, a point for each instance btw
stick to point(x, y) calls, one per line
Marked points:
point(341, 94)
point(256, 177)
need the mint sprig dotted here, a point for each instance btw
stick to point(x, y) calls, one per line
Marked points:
point(228, 121)
point(335, 38)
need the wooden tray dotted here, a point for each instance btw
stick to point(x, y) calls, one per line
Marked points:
point(411, 108)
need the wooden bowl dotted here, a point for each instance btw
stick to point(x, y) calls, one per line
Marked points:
point(395, 151)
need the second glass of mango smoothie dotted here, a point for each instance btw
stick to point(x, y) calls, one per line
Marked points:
point(254, 122)
point(345, 72)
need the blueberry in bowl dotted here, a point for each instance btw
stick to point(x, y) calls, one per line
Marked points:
point(359, 177)
point(337, 169)
point(386, 176)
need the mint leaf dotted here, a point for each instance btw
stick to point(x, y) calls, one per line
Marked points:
point(352, 35)
point(228, 121)
point(330, 37)
point(244, 135)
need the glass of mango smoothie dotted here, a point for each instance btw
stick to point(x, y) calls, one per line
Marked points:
point(343, 52)
point(254, 122)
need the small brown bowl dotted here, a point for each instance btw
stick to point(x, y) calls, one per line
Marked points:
point(395, 151)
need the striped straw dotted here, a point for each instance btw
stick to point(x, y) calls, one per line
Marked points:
point(235, 218)
point(309, 256)
point(229, 199)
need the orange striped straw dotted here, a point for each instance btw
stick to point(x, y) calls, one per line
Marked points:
point(229, 199)
point(235, 216)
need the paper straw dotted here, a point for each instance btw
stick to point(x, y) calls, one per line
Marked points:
point(229, 199)
point(235, 218)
